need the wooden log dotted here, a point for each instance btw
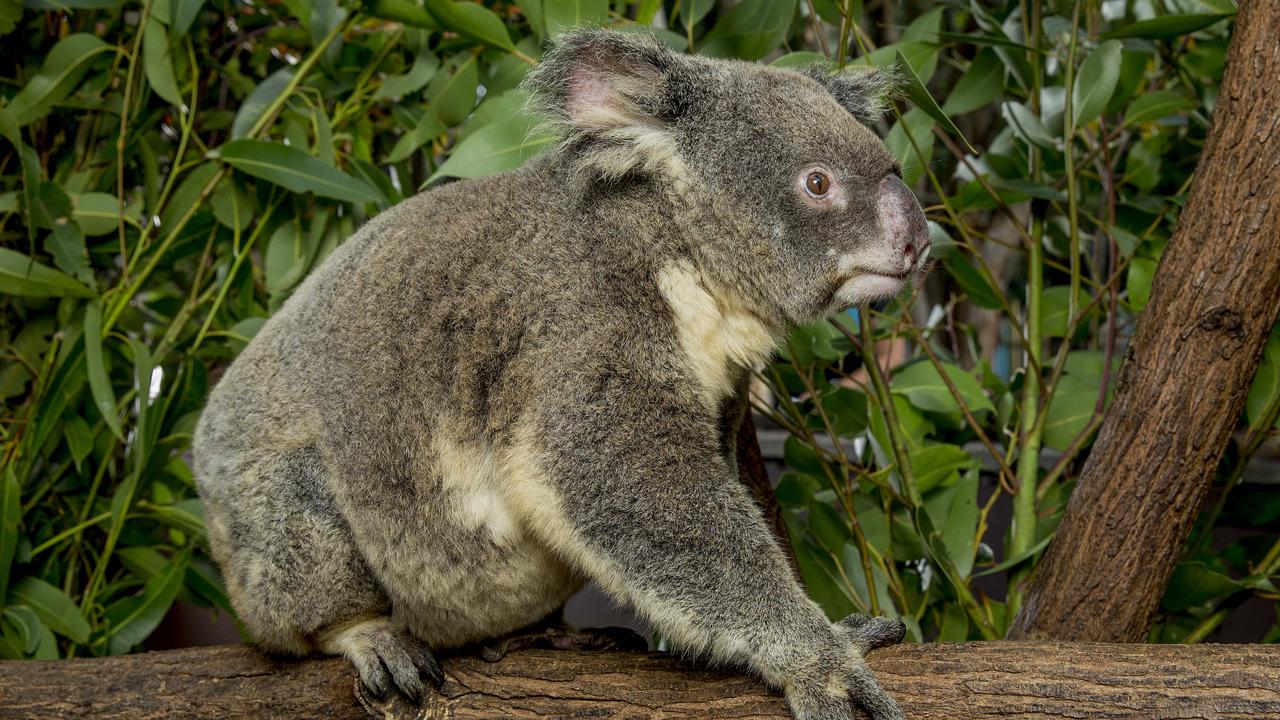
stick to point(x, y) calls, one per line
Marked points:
point(963, 681)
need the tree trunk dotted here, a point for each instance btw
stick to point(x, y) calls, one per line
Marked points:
point(957, 682)
point(1186, 373)
point(753, 473)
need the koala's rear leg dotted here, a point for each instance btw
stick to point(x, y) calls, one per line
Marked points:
point(384, 657)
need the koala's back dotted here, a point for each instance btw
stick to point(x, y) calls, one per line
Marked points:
point(362, 430)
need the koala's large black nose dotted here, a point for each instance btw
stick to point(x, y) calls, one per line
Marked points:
point(902, 223)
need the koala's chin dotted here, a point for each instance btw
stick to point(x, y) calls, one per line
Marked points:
point(869, 288)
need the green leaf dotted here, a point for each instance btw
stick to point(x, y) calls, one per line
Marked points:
point(922, 384)
point(960, 524)
point(796, 489)
point(691, 12)
point(1026, 125)
point(939, 465)
point(954, 626)
point(914, 131)
point(749, 30)
point(10, 518)
point(256, 103)
point(922, 57)
point(562, 15)
point(182, 14)
point(293, 169)
point(1156, 105)
point(800, 59)
point(1193, 584)
point(475, 21)
point(829, 527)
point(233, 206)
point(104, 397)
point(500, 146)
point(1054, 307)
point(1015, 560)
point(97, 213)
point(1166, 26)
point(53, 607)
point(79, 438)
point(61, 71)
point(30, 630)
point(10, 14)
point(1265, 389)
point(289, 254)
point(66, 245)
point(1095, 82)
point(452, 93)
point(847, 410)
point(1138, 282)
point(420, 73)
point(20, 275)
point(971, 281)
point(158, 64)
point(1070, 410)
point(133, 619)
point(187, 193)
point(919, 95)
point(981, 84)
point(429, 126)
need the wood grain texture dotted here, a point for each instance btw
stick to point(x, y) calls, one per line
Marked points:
point(1186, 374)
point(958, 681)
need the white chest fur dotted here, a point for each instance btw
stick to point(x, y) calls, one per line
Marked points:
point(718, 334)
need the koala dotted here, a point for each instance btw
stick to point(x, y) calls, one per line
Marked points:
point(503, 387)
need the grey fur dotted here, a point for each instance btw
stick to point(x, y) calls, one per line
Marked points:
point(502, 387)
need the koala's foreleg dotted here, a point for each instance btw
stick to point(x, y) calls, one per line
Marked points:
point(645, 502)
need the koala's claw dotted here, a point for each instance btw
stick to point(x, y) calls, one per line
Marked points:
point(868, 633)
point(862, 692)
point(396, 659)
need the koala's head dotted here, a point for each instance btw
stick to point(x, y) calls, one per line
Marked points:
point(807, 211)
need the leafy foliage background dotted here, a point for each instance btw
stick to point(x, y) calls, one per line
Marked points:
point(171, 169)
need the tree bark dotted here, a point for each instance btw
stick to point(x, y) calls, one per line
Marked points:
point(1186, 373)
point(753, 474)
point(958, 682)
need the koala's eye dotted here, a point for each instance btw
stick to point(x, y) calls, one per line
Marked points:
point(817, 184)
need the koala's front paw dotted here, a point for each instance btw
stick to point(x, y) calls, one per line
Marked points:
point(837, 694)
point(836, 697)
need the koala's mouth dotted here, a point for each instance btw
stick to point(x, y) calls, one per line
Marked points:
point(860, 288)
point(868, 272)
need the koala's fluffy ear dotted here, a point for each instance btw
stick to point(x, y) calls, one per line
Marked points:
point(611, 93)
point(864, 92)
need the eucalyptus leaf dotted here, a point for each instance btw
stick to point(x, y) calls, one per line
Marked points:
point(256, 103)
point(293, 169)
point(561, 15)
point(61, 71)
point(1166, 26)
point(52, 605)
point(1095, 82)
point(1156, 105)
point(104, 396)
point(158, 64)
point(498, 147)
point(20, 275)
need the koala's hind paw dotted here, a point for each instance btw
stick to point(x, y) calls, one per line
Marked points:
point(868, 633)
point(387, 658)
